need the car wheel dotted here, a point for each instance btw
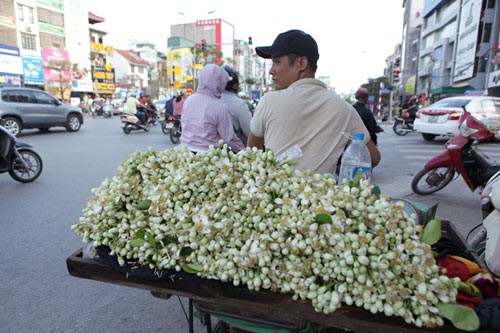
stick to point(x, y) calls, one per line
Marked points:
point(73, 123)
point(428, 137)
point(12, 125)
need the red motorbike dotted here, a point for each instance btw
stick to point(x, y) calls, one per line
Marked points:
point(460, 158)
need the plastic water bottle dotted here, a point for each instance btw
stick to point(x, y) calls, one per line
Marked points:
point(356, 157)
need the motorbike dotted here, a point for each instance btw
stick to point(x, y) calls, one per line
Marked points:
point(461, 157)
point(403, 124)
point(18, 158)
point(485, 238)
point(131, 123)
point(176, 130)
point(167, 124)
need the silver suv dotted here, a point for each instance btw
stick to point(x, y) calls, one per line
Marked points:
point(33, 108)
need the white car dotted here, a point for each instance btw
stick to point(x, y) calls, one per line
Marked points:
point(441, 118)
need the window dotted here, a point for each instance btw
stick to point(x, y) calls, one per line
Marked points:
point(18, 96)
point(50, 17)
point(43, 98)
point(141, 70)
point(28, 41)
point(7, 8)
point(20, 12)
point(31, 15)
point(486, 32)
point(52, 41)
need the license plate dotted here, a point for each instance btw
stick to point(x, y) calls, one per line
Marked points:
point(169, 125)
point(433, 119)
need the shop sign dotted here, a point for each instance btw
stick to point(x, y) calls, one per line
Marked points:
point(33, 69)
point(494, 79)
point(10, 61)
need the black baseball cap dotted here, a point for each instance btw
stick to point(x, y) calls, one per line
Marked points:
point(292, 41)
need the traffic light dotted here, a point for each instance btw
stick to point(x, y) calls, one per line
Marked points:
point(395, 76)
point(173, 74)
point(203, 44)
point(250, 40)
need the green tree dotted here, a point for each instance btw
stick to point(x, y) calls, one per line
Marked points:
point(60, 86)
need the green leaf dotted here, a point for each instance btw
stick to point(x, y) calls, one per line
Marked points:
point(192, 268)
point(323, 218)
point(432, 232)
point(376, 191)
point(461, 316)
point(171, 239)
point(143, 205)
point(290, 163)
point(137, 242)
point(357, 177)
point(151, 240)
point(140, 233)
point(185, 251)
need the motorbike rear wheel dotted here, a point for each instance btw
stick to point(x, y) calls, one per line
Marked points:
point(398, 128)
point(126, 130)
point(164, 128)
point(428, 181)
point(175, 134)
point(28, 169)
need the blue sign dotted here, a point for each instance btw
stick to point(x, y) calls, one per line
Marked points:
point(9, 50)
point(33, 70)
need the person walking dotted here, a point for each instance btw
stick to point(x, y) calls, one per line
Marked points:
point(240, 115)
point(205, 118)
point(365, 113)
point(302, 111)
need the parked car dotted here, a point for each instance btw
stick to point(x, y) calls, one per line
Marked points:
point(117, 105)
point(23, 108)
point(160, 106)
point(441, 118)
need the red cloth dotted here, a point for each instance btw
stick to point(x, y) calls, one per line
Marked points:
point(487, 284)
point(468, 300)
point(455, 268)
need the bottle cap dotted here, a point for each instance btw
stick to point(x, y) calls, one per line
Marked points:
point(358, 136)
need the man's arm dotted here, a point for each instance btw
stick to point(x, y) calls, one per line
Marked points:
point(374, 153)
point(255, 141)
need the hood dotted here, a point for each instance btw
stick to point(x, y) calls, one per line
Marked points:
point(212, 80)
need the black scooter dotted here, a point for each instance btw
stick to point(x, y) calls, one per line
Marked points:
point(18, 158)
point(403, 124)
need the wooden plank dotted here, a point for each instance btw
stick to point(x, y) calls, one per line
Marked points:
point(266, 307)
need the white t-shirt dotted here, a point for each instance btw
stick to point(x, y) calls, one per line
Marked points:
point(310, 116)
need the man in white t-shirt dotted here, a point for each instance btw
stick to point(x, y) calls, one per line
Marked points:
point(302, 111)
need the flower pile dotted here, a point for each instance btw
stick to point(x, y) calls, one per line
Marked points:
point(252, 220)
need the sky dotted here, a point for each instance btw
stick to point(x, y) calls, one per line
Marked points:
point(354, 37)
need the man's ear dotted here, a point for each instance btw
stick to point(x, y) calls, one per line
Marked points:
point(303, 63)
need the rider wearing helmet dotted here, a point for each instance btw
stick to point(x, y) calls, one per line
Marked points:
point(240, 114)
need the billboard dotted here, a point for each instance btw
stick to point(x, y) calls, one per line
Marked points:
point(33, 70)
point(11, 65)
point(470, 14)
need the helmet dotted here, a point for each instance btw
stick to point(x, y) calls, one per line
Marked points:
point(233, 74)
point(141, 94)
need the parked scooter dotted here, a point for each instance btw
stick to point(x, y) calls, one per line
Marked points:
point(132, 123)
point(403, 124)
point(485, 238)
point(460, 158)
point(18, 158)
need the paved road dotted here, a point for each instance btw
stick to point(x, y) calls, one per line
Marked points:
point(38, 294)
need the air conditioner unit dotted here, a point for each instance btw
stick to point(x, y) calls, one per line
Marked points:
point(28, 29)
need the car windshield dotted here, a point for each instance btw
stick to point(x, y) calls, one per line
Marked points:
point(451, 103)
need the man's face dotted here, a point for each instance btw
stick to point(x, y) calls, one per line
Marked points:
point(283, 72)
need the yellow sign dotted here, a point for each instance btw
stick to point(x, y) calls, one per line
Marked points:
point(410, 85)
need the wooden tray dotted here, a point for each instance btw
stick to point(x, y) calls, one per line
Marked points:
point(215, 297)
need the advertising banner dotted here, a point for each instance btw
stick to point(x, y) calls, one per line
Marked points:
point(54, 56)
point(10, 60)
point(467, 40)
point(33, 70)
point(104, 80)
